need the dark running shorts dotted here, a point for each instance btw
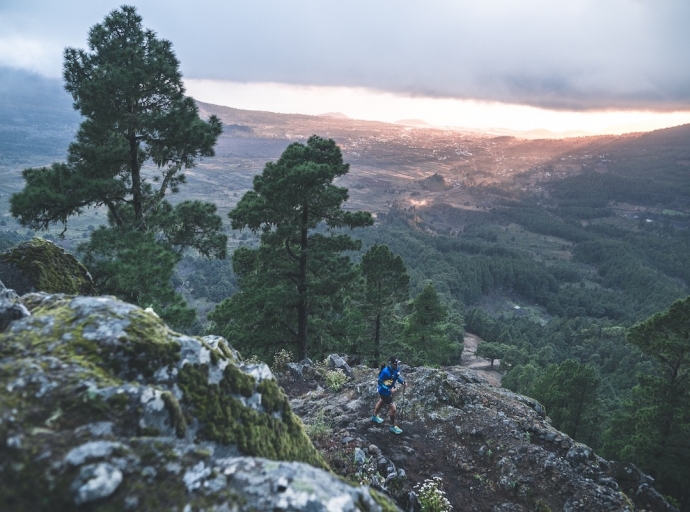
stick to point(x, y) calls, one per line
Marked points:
point(387, 399)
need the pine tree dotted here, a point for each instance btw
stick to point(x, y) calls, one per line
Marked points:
point(299, 270)
point(491, 351)
point(652, 429)
point(386, 285)
point(428, 336)
point(128, 88)
point(570, 393)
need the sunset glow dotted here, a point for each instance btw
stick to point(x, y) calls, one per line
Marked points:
point(368, 104)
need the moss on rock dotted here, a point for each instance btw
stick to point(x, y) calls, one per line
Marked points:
point(87, 370)
point(176, 414)
point(274, 432)
point(114, 343)
point(47, 268)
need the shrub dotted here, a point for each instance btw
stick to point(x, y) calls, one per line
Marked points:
point(319, 427)
point(253, 359)
point(280, 361)
point(335, 379)
point(431, 497)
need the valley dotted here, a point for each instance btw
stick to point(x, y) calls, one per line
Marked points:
point(547, 249)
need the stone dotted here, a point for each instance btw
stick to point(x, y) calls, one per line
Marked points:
point(295, 370)
point(91, 450)
point(107, 407)
point(10, 308)
point(359, 456)
point(95, 482)
point(40, 265)
point(579, 454)
point(337, 362)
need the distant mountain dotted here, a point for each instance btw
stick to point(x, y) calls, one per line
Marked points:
point(419, 123)
point(547, 134)
point(539, 133)
point(336, 115)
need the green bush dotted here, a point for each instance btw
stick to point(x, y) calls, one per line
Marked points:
point(319, 427)
point(280, 361)
point(335, 379)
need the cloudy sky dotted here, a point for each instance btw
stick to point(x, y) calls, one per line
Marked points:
point(596, 65)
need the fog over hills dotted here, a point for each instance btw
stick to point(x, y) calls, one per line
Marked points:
point(36, 118)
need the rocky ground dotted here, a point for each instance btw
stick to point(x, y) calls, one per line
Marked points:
point(103, 407)
point(493, 450)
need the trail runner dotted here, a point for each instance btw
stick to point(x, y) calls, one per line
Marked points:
point(389, 376)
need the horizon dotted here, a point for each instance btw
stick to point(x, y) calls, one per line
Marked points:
point(471, 115)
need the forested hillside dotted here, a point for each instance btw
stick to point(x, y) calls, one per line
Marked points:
point(552, 278)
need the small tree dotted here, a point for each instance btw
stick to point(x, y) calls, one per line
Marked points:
point(386, 285)
point(491, 351)
point(521, 378)
point(426, 335)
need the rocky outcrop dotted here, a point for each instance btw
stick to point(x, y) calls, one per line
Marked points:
point(11, 308)
point(494, 450)
point(103, 406)
point(40, 265)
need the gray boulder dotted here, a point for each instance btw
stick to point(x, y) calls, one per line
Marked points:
point(40, 265)
point(103, 406)
point(336, 362)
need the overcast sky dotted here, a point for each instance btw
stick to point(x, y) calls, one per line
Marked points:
point(568, 55)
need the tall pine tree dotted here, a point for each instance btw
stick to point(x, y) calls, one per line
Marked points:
point(128, 88)
point(431, 335)
point(386, 285)
point(299, 271)
point(652, 429)
point(570, 393)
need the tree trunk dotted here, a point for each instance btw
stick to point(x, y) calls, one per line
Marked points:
point(377, 334)
point(302, 290)
point(578, 414)
point(136, 180)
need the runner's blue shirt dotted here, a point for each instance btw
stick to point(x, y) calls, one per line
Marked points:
point(387, 380)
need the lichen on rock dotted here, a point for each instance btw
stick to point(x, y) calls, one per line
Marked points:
point(104, 406)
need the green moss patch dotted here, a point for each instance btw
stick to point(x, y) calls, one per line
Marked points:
point(225, 419)
point(81, 368)
point(49, 268)
point(58, 329)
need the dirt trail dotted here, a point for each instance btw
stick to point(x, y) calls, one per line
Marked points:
point(478, 364)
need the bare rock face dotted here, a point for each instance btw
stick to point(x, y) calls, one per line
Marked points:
point(40, 265)
point(103, 406)
point(492, 449)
